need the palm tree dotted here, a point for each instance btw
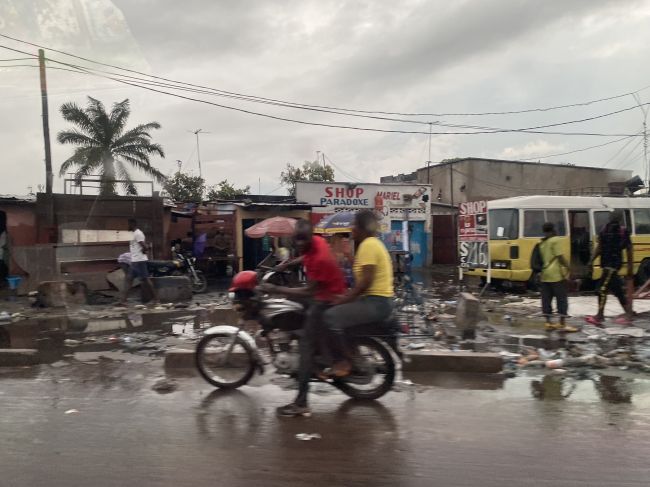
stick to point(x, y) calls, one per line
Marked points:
point(105, 148)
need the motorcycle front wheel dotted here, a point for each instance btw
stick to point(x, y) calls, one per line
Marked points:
point(225, 361)
point(200, 283)
point(373, 371)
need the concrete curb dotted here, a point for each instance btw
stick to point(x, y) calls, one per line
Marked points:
point(484, 363)
point(179, 359)
point(17, 357)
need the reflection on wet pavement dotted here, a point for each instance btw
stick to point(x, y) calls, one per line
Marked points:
point(445, 429)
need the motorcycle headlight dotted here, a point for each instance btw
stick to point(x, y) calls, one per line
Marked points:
point(193, 259)
point(177, 263)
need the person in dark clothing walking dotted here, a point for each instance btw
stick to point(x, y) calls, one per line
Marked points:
point(555, 272)
point(612, 240)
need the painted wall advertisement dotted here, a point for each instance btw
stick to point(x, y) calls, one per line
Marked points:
point(473, 235)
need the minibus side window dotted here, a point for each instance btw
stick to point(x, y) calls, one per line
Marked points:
point(533, 222)
point(600, 220)
point(642, 221)
point(504, 224)
point(557, 218)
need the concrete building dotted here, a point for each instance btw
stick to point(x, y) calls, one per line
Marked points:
point(474, 179)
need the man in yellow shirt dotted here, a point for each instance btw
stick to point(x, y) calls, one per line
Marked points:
point(371, 298)
point(555, 272)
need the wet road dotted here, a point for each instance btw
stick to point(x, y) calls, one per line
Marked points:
point(445, 431)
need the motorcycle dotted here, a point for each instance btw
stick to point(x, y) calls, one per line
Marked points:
point(182, 265)
point(228, 356)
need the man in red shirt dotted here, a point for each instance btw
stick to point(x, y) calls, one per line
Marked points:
point(325, 282)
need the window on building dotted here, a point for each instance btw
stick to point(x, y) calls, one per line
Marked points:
point(504, 224)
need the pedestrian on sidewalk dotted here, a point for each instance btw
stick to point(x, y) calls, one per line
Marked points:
point(138, 248)
point(612, 240)
point(553, 277)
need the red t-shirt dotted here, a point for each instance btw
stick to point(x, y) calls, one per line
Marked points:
point(321, 266)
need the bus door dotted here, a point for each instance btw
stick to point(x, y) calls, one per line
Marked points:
point(581, 244)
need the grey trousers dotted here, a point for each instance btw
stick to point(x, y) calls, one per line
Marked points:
point(365, 310)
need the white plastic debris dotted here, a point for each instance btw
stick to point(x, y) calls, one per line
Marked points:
point(72, 411)
point(308, 436)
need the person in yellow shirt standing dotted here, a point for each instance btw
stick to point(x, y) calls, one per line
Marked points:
point(371, 298)
point(555, 271)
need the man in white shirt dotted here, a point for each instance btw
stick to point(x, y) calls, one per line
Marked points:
point(138, 248)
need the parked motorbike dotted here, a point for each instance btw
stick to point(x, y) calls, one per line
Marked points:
point(182, 265)
point(228, 356)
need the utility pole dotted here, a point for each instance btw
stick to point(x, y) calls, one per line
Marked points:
point(429, 159)
point(49, 176)
point(198, 149)
point(644, 109)
point(451, 184)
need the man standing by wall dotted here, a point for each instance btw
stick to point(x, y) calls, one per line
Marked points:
point(138, 269)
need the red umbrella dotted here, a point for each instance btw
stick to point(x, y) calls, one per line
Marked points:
point(277, 226)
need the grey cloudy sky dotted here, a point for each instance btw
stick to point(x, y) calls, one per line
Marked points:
point(407, 56)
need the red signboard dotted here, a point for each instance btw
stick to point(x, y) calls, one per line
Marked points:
point(473, 235)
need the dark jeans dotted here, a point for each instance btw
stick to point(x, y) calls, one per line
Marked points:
point(610, 281)
point(557, 290)
point(365, 310)
point(311, 340)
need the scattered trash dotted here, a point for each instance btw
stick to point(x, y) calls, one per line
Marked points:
point(165, 386)
point(308, 436)
point(72, 411)
point(4, 316)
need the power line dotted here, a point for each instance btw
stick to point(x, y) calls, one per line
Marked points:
point(348, 127)
point(437, 123)
point(481, 130)
point(617, 153)
point(510, 112)
point(577, 150)
point(629, 153)
point(354, 179)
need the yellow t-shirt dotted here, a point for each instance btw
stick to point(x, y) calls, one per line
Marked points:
point(373, 252)
point(552, 271)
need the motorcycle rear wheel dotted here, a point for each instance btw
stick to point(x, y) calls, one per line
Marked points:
point(200, 284)
point(223, 370)
point(369, 346)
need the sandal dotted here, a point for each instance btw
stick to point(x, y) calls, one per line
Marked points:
point(623, 321)
point(593, 320)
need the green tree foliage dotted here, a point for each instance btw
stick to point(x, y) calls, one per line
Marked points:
point(310, 171)
point(185, 188)
point(226, 191)
point(105, 147)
